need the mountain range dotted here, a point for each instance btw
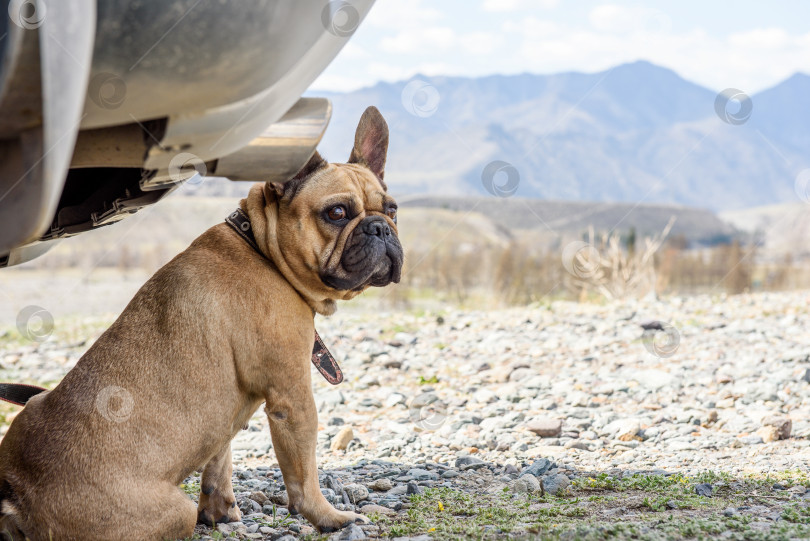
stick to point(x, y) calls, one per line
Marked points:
point(636, 133)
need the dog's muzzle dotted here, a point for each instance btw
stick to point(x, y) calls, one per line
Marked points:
point(372, 256)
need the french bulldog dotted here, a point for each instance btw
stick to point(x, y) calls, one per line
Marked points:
point(222, 328)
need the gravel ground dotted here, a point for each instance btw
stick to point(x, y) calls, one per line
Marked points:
point(573, 408)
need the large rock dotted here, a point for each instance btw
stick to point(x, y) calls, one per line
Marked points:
point(532, 483)
point(422, 475)
point(259, 497)
point(465, 463)
point(356, 492)
point(556, 484)
point(623, 429)
point(782, 426)
point(371, 508)
point(382, 484)
point(342, 439)
point(538, 467)
point(545, 427)
point(704, 489)
point(525, 485)
point(767, 433)
point(352, 532)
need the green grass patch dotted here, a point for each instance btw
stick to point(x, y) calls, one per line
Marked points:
point(647, 507)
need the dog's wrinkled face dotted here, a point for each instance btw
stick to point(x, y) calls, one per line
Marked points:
point(337, 225)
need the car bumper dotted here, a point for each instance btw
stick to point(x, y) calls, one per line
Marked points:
point(199, 78)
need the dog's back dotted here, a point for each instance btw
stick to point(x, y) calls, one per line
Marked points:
point(77, 455)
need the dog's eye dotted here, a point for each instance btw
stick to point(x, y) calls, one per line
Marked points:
point(337, 213)
point(392, 213)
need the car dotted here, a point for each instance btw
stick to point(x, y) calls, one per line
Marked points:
point(107, 106)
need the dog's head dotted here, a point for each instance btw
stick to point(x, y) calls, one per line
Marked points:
point(334, 224)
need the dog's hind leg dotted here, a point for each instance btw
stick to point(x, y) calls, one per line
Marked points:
point(166, 513)
point(217, 502)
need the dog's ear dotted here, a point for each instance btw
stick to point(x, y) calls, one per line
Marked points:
point(291, 187)
point(371, 142)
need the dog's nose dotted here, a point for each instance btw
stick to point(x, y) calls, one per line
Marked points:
point(377, 228)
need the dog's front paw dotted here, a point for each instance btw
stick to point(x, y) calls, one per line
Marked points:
point(339, 520)
point(217, 511)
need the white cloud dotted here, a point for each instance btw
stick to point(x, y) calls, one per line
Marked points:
point(395, 14)
point(338, 83)
point(750, 61)
point(400, 39)
point(515, 5)
point(618, 19)
point(611, 18)
point(768, 38)
point(422, 40)
point(480, 43)
point(384, 71)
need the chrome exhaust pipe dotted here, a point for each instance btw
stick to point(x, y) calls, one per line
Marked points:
point(283, 148)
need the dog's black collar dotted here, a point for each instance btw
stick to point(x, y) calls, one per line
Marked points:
point(240, 223)
point(321, 358)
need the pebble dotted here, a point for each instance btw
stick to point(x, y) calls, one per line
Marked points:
point(422, 475)
point(259, 497)
point(370, 508)
point(782, 427)
point(381, 485)
point(734, 397)
point(352, 532)
point(538, 467)
point(556, 484)
point(532, 484)
point(356, 492)
point(545, 427)
point(527, 484)
point(704, 489)
point(623, 429)
point(342, 439)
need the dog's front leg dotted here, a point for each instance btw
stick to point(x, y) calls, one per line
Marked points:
point(217, 501)
point(294, 430)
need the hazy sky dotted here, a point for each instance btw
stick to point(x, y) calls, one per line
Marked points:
point(746, 44)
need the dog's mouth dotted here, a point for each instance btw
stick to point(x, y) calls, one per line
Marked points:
point(343, 284)
point(367, 261)
point(388, 271)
